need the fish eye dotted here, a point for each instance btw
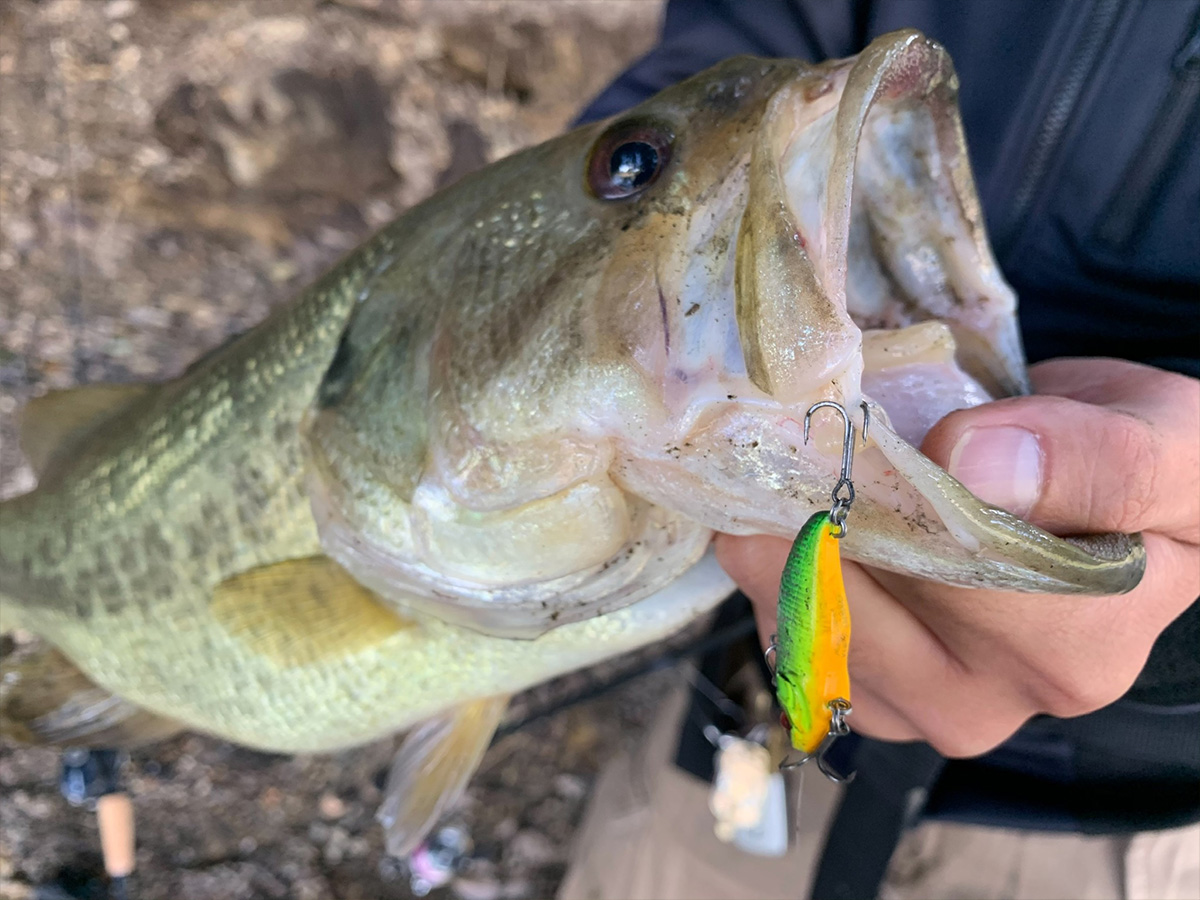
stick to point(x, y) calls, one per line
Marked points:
point(627, 159)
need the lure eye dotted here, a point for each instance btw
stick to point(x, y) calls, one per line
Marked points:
point(627, 159)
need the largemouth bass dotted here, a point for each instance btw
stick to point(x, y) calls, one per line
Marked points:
point(493, 444)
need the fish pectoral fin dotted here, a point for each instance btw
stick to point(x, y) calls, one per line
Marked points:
point(46, 699)
point(52, 425)
point(303, 611)
point(431, 770)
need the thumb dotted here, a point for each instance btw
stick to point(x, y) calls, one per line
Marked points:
point(1077, 467)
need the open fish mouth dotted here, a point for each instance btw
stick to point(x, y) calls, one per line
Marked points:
point(872, 281)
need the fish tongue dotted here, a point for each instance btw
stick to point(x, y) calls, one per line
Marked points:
point(913, 374)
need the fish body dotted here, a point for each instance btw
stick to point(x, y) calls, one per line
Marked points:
point(813, 641)
point(493, 444)
point(119, 559)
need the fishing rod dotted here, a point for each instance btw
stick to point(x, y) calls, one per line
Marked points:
point(93, 778)
point(706, 643)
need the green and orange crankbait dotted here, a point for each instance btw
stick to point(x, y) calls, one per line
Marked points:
point(810, 650)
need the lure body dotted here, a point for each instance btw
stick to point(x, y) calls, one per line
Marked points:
point(813, 638)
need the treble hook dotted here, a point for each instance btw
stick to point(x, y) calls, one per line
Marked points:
point(841, 502)
point(838, 727)
point(829, 771)
point(847, 431)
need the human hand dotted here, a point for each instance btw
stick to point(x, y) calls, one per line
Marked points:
point(1104, 445)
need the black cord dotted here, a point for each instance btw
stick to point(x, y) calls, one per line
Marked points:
point(709, 642)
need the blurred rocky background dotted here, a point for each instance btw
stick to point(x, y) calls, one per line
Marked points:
point(169, 170)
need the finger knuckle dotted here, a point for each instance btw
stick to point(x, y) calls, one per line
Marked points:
point(1128, 441)
point(1074, 693)
point(960, 747)
point(968, 739)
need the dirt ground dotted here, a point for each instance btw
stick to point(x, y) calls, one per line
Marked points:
point(168, 172)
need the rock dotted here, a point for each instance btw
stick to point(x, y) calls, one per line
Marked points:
point(477, 888)
point(120, 9)
point(336, 846)
point(331, 806)
point(517, 889)
point(570, 787)
point(505, 829)
point(316, 888)
point(271, 798)
point(532, 848)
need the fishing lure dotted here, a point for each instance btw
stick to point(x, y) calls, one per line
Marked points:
point(809, 652)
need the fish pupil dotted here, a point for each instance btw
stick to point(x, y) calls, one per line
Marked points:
point(633, 164)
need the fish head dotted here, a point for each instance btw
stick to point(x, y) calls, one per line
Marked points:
point(566, 371)
point(843, 257)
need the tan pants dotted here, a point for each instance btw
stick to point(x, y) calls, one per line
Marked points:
point(648, 835)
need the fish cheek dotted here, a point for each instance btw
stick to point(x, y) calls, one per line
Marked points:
point(369, 422)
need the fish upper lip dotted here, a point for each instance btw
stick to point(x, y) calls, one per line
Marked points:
point(893, 235)
point(897, 104)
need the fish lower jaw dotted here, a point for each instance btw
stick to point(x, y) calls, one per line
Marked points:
point(744, 467)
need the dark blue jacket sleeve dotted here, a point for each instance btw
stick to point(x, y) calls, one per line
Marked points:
point(699, 33)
